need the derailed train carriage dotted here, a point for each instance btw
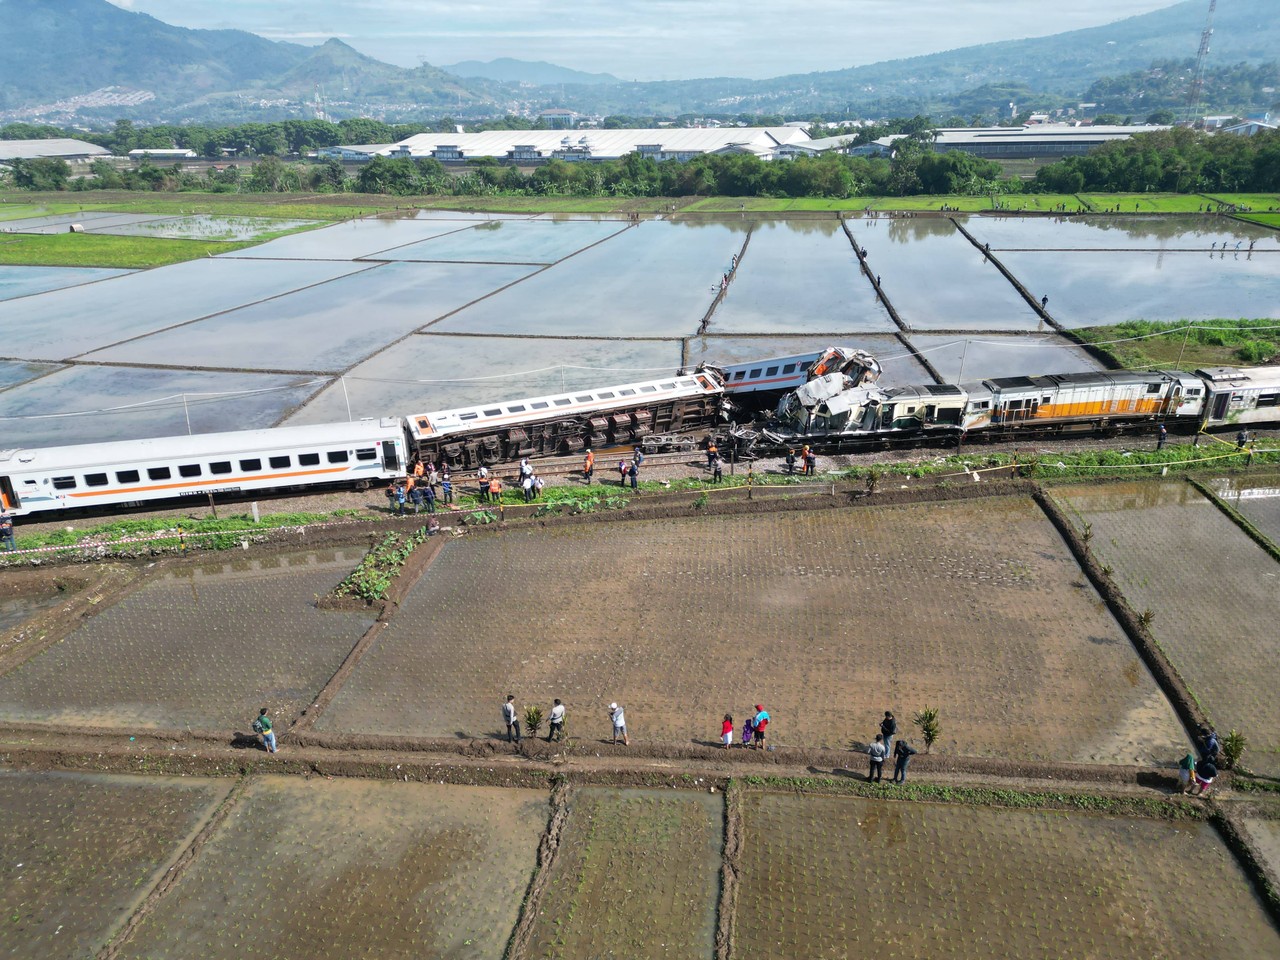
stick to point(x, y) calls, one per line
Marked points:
point(829, 413)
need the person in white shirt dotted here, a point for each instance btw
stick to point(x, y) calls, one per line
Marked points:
point(619, 724)
point(511, 718)
point(556, 731)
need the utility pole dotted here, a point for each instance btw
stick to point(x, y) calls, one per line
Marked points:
point(1196, 87)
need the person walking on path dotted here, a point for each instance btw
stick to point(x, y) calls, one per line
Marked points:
point(877, 754)
point(1209, 743)
point(1162, 437)
point(759, 723)
point(555, 722)
point(633, 472)
point(510, 718)
point(1241, 439)
point(262, 727)
point(1185, 766)
point(902, 754)
point(619, 720)
point(888, 727)
point(6, 531)
point(726, 731)
point(1205, 772)
point(588, 465)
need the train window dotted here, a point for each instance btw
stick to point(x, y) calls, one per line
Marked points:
point(789, 368)
point(308, 459)
point(64, 483)
point(562, 402)
point(1193, 392)
point(468, 416)
point(493, 413)
point(220, 467)
point(1268, 399)
point(540, 405)
point(337, 456)
point(739, 374)
point(279, 463)
point(649, 389)
point(127, 476)
point(159, 473)
point(607, 395)
point(249, 466)
point(189, 470)
point(584, 399)
point(367, 454)
point(668, 386)
point(1046, 399)
point(772, 371)
point(755, 374)
point(518, 408)
point(626, 393)
point(95, 479)
point(1154, 387)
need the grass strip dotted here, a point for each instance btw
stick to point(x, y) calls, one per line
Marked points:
point(1185, 343)
point(1118, 806)
point(1236, 517)
point(371, 580)
point(104, 250)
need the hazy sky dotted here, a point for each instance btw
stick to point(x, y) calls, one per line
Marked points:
point(650, 39)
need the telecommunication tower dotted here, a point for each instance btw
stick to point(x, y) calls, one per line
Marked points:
point(1196, 87)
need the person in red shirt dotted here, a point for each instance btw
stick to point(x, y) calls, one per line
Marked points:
point(726, 731)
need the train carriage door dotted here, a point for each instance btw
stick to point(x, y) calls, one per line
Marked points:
point(391, 456)
point(1220, 404)
point(9, 499)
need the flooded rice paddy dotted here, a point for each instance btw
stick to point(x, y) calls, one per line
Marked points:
point(886, 608)
point(884, 879)
point(1212, 591)
point(188, 650)
point(1257, 500)
point(340, 299)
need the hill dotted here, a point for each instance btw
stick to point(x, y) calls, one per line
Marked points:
point(535, 72)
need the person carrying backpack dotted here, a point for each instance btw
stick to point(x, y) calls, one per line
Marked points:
point(262, 727)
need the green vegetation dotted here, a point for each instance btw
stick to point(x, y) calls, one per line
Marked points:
point(1189, 344)
point(1146, 202)
point(1233, 747)
point(371, 580)
point(1127, 806)
point(110, 534)
point(930, 727)
point(102, 250)
point(533, 720)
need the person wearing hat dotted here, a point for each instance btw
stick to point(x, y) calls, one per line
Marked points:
point(760, 722)
point(619, 724)
point(6, 531)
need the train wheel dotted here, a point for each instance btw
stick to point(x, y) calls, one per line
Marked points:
point(363, 485)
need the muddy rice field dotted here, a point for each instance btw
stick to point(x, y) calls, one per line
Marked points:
point(144, 822)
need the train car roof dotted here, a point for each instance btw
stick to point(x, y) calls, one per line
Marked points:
point(1241, 376)
point(1086, 378)
point(600, 400)
point(196, 445)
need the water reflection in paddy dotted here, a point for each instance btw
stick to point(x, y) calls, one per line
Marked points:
point(1118, 233)
point(438, 372)
point(937, 280)
point(1091, 288)
point(799, 276)
point(979, 358)
point(26, 281)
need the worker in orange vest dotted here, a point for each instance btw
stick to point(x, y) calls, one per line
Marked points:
point(495, 490)
point(418, 469)
point(588, 465)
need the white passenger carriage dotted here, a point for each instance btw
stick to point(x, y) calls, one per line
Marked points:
point(567, 422)
point(131, 472)
point(757, 381)
point(1241, 396)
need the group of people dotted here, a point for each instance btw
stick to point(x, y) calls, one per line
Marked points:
point(423, 485)
point(883, 747)
point(807, 459)
point(754, 729)
point(628, 468)
point(511, 717)
point(1196, 776)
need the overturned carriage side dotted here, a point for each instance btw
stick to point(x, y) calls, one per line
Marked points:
point(568, 423)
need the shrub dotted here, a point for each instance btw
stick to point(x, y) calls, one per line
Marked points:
point(1233, 745)
point(532, 720)
point(930, 727)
